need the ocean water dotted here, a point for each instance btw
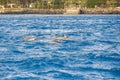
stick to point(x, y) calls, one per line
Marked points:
point(91, 52)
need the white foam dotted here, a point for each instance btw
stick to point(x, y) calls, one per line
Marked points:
point(3, 49)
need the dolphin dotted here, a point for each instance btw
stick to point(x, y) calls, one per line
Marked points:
point(61, 37)
point(29, 38)
point(56, 41)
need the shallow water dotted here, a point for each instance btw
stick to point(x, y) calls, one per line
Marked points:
point(92, 51)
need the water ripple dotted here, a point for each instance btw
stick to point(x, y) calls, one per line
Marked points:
point(91, 52)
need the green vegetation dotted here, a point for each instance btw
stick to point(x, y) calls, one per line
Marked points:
point(93, 3)
point(58, 4)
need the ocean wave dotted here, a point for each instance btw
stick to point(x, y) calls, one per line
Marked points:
point(91, 52)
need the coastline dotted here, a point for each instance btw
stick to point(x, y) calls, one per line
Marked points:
point(61, 11)
point(31, 11)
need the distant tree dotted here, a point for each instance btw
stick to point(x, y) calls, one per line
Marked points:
point(83, 3)
point(117, 3)
point(93, 3)
point(38, 3)
point(56, 4)
point(111, 3)
point(3, 2)
point(25, 3)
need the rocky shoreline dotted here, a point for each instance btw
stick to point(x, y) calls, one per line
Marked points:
point(62, 11)
point(102, 11)
point(33, 11)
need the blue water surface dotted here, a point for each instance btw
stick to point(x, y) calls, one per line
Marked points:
point(92, 51)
